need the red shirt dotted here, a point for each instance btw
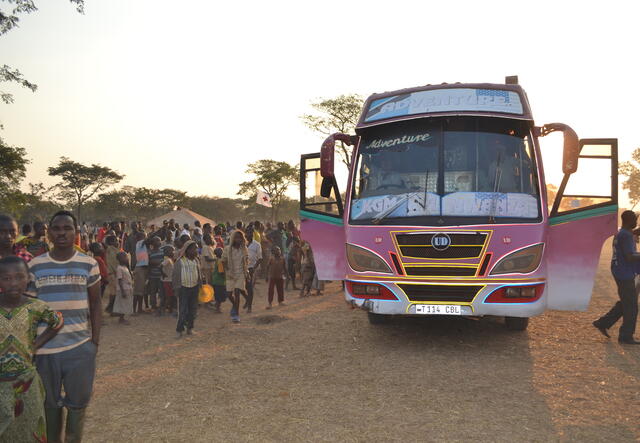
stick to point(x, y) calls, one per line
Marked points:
point(104, 272)
point(101, 233)
point(20, 251)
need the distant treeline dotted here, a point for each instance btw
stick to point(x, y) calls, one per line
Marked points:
point(131, 203)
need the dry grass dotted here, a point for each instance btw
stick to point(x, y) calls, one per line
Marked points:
point(315, 370)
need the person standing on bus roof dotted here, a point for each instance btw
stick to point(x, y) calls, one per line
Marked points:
point(623, 267)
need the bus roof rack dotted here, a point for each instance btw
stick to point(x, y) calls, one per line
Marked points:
point(511, 80)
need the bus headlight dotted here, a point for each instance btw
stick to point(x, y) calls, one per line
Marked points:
point(362, 260)
point(522, 262)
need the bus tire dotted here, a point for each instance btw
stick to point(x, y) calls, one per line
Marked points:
point(516, 323)
point(377, 319)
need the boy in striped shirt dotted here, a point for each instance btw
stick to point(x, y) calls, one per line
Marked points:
point(68, 281)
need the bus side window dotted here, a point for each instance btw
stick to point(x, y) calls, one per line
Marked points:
point(594, 184)
point(311, 183)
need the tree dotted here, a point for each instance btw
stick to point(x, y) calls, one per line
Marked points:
point(9, 21)
point(81, 183)
point(631, 170)
point(113, 205)
point(139, 203)
point(13, 166)
point(219, 209)
point(37, 204)
point(271, 176)
point(338, 114)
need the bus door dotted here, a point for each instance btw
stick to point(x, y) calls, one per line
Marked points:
point(583, 215)
point(321, 219)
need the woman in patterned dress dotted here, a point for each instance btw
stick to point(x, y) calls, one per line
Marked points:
point(22, 416)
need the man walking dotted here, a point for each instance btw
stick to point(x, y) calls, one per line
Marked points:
point(623, 267)
point(69, 281)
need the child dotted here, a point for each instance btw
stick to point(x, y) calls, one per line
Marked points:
point(111, 260)
point(154, 282)
point(168, 298)
point(22, 416)
point(207, 257)
point(98, 254)
point(187, 279)
point(293, 262)
point(124, 289)
point(276, 270)
point(235, 259)
point(218, 281)
point(308, 269)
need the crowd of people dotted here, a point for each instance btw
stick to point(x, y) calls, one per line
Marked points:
point(56, 281)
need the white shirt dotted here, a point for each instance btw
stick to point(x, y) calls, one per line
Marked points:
point(185, 232)
point(255, 253)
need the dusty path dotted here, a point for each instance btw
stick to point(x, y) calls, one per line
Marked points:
point(315, 370)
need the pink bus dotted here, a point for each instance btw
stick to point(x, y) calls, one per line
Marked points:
point(446, 209)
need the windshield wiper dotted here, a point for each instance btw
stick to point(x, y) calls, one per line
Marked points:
point(392, 208)
point(384, 214)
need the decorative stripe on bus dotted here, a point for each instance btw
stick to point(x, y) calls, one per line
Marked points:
point(321, 218)
point(444, 280)
point(583, 214)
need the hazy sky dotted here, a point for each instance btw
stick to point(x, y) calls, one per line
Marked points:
point(184, 94)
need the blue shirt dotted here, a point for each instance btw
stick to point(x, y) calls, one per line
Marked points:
point(142, 254)
point(64, 285)
point(623, 243)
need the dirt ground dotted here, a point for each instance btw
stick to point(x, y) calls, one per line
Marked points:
point(316, 370)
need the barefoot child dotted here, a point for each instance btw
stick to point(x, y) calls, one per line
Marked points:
point(110, 258)
point(218, 281)
point(276, 271)
point(308, 269)
point(187, 279)
point(22, 416)
point(124, 290)
point(168, 297)
point(235, 258)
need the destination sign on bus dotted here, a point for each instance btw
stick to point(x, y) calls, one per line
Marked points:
point(445, 100)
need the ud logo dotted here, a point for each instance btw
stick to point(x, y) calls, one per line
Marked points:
point(440, 241)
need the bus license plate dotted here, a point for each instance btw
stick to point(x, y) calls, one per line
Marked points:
point(439, 309)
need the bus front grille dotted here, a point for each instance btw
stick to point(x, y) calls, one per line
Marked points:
point(440, 293)
point(434, 271)
point(463, 245)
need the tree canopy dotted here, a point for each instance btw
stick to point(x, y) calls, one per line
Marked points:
point(631, 170)
point(80, 183)
point(13, 166)
point(271, 176)
point(339, 114)
point(141, 203)
point(9, 20)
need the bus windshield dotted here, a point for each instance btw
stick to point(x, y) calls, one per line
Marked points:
point(448, 170)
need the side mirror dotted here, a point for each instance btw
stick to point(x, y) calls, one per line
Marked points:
point(326, 187)
point(571, 147)
point(327, 152)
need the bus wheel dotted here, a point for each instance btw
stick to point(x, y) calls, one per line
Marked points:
point(516, 323)
point(377, 319)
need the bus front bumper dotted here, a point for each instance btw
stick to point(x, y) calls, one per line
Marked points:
point(488, 300)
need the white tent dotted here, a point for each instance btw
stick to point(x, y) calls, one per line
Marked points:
point(181, 216)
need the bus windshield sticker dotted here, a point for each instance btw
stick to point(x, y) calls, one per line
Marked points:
point(378, 143)
point(461, 204)
point(445, 100)
point(491, 204)
point(413, 205)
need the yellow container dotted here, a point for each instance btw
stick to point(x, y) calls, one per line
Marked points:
point(206, 294)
